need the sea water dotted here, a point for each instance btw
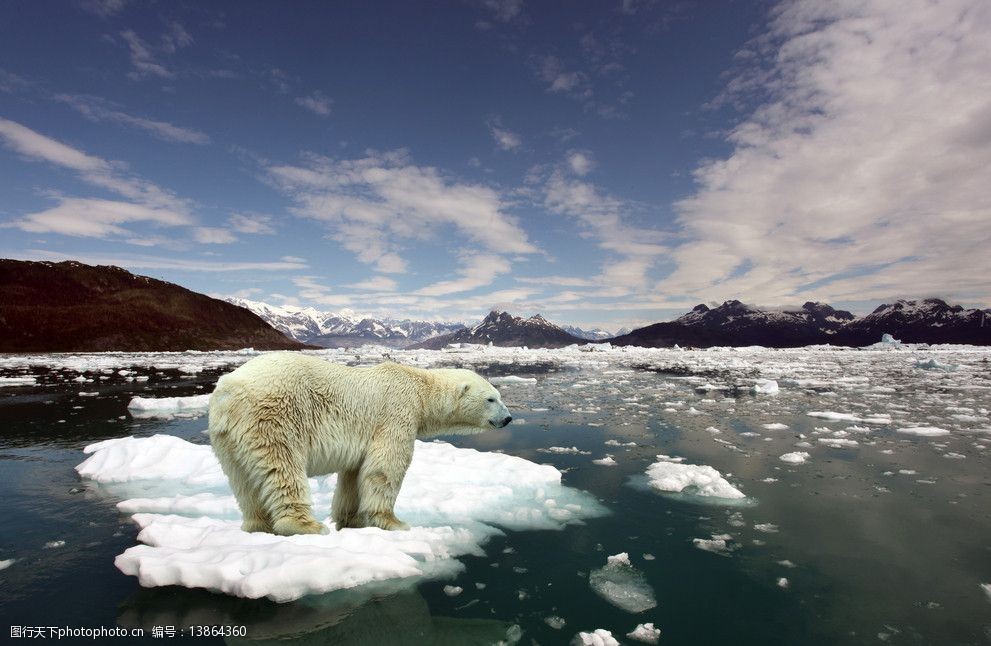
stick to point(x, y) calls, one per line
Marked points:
point(878, 534)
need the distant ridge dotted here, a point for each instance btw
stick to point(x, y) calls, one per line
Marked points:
point(72, 307)
point(734, 324)
point(504, 329)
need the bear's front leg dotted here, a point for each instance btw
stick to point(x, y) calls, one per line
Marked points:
point(379, 479)
point(345, 506)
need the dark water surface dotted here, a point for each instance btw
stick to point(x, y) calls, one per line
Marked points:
point(868, 557)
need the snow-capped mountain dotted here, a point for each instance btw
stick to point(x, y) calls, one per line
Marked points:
point(504, 329)
point(344, 329)
point(595, 334)
point(736, 324)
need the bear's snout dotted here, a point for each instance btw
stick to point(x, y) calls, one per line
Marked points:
point(505, 421)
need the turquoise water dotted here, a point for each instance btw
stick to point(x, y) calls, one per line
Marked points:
point(868, 557)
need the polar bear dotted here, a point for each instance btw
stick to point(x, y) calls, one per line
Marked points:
point(284, 416)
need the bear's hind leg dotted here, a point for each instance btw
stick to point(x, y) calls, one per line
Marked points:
point(345, 507)
point(248, 496)
point(285, 494)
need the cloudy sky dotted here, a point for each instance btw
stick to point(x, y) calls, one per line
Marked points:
point(603, 163)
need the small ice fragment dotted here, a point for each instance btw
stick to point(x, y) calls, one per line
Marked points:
point(453, 590)
point(616, 443)
point(512, 379)
point(786, 563)
point(599, 637)
point(623, 558)
point(716, 545)
point(606, 461)
point(798, 457)
point(987, 590)
point(924, 431)
point(6, 564)
point(145, 407)
point(18, 381)
point(767, 528)
point(783, 582)
point(574, 450)
point(649, 557)
point(776, 426)
point(53, 544)
point(700, 480)
point(907, 472)
point(555, 622)
point(713, 430)
point(765, 387)
point(622, 585)
point(645, 633)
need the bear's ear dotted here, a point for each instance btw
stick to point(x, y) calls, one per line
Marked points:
point(463, 389)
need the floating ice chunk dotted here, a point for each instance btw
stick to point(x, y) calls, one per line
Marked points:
point(573, 450)
point(50, 545)
point(987, 590)
point(783, 582)
point(715, 545)
point(6, 564)
point(798, 457)
point(622, 585)
point(767, 528)
point(453, 590)
point(954, 456)
point(18, 381)
point(146, 407)
point(607, 461)
point(932, 364)
point(453, 497)
point(924, 431)
point(699, 480)
point(555, 622)
point(599, 637)
point(775, 426)
point(786, 563)
point(765, 387)
point(512, 379)
point(617, 443)
point(89, 394)
point(838, 442)
point(623, 558)
point(849, 417)
point(645, 633)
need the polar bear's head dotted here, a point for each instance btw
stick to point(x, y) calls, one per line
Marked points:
point(474, 405)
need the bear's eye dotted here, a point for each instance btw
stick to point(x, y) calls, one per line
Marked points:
point(491, 400)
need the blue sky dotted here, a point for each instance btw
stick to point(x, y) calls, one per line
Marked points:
point(603, 163)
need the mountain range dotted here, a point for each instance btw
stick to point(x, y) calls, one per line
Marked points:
point(344, 329)
point(929, 320)
point(72, 307)
point(504, 329)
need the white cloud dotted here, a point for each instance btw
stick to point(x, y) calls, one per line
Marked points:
point(213, 235)
point(175, 38)
point(635, 250)
point(375, 284)
point(477, 270)
point(580, 162)
point(373, 205)
point(863, 174)
point(95, 218)
point(102, 8)
point(505, 139)
point(504, 10)
point(27, 142)
point(316, 103)
point(96, 109)
point(251, 223)
point(155, 262)
point(551, 70)
point(142, 58)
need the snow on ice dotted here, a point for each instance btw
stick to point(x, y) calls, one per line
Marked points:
point(455, 499)
point(699, 480)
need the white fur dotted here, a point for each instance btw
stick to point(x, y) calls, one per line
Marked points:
point(282, 417)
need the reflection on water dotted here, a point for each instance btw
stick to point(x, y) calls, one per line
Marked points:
point(881, 540)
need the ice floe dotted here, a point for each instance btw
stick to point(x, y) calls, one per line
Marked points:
point(622, 585)
point(598, 637)
point(645, 633)
point(149, 407)
point(17, 381)
point(699, 480)
point(798, 457)
point(924, 431)
point(454, 498)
